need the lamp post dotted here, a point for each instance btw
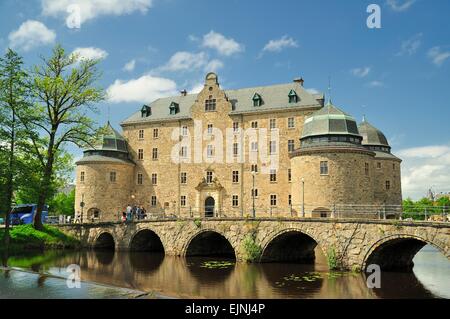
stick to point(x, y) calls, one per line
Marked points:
point(253, 193)
point(303, 197)
point(82, 208)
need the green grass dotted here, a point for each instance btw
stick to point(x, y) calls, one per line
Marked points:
point(26, 237)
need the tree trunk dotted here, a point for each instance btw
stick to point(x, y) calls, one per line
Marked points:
point(46, 180)
point(11, 170)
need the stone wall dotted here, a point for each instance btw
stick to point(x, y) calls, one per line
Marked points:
point(354, 242)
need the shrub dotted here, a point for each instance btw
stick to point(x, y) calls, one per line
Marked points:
point(252, 250)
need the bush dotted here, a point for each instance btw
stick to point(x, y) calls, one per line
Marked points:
point(252, 250)
point(332, 259)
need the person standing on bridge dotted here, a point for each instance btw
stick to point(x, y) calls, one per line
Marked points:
point(129, 212)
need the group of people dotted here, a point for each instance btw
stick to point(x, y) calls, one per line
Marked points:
point(134, 213)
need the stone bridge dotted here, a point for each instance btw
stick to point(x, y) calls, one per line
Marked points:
point(350, 244)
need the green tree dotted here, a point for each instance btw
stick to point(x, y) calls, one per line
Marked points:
point(64, 90)
point(63, 204)
point(13, 104)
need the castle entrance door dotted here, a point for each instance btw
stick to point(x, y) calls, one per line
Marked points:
point(209, 207)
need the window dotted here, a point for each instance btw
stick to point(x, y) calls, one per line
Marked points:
point(366, 169)
point(154, 179)
point(291, 145)
point(235, 149)
point(139, 179)
point(291, 122)
point(210, 151)
point(155, 153)
point(273, 175)
point(82, 174)
point(210, 104)
point(209, 177)
point(155, 133)
point(379, 165)
point(289, 199)
point(293, 97)
point(183, 178)
point(112, 177)
point(388, 185)
point(141, 134)
point(257, 100)
point(153, 201)
point(254, 124)
point(235, 201)
point(272, 123)
point(255, 192)
point(184, 131)
point(289, 175)
point(183, 151)
point(183, 200)
point(273, 200)
point(146, 111)
point(393, 165)
point(324, 168)
point(210, 129)
point(140, 154)
point(235, 177)
point(174, 108)
point(254, 168)
point(254, 146)
point(273, 147)
point(235, 127)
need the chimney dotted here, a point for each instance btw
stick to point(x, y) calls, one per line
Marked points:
point(183, 93)
point(299, 80)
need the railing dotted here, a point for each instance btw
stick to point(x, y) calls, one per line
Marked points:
point(348, 211)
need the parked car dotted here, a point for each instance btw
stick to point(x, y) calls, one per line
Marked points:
point(24, 214)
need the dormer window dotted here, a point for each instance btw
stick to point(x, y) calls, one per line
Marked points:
point(146, 111)
point(257, 100)
point(293, 97)
point(174, 108)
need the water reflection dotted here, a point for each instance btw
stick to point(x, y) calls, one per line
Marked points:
point(200, 277)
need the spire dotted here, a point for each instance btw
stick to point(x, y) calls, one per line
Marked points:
point(364, 118)
point(329, 91)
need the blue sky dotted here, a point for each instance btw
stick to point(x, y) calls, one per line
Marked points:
point(399, 75)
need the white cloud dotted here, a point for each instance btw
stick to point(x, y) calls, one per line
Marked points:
point(31, 34)
point(312, 91)
point(197, 88)
point(145, 89)
point(438, 56)
point(90, 9)
point(279, 44)
point(214, 65)
point(129, 66)
point(90, 53)
point(425, 167)
point(183, 60)
point(400, 5)
point(375, 84)
point(410, 46)
point(225, 46)
point(360, 72)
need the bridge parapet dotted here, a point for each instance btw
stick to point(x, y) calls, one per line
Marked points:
point(352, 243)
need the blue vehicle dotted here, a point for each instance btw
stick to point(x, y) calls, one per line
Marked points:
point(24, 214)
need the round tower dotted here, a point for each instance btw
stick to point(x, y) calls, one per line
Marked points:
point(331, 173)
point(104, 178)
point(386, 167)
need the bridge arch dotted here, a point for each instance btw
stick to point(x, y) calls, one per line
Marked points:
point(291, 245)
point(146, 240)
point(396, 252)
point(209, 242)
point(104, 240)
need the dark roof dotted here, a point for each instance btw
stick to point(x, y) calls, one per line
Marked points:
point(371, 135)
point(329, 120)
point(109, 140)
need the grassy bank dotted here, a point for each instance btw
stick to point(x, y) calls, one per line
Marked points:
point(25, 237)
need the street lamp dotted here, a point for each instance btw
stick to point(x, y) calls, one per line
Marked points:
point(253, 194)
point(303, 197)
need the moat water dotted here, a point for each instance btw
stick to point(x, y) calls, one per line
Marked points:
point(107, 274)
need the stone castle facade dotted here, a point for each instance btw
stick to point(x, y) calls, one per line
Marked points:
point(274, 150)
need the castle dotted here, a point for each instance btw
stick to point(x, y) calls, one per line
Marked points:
point(287, 153)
